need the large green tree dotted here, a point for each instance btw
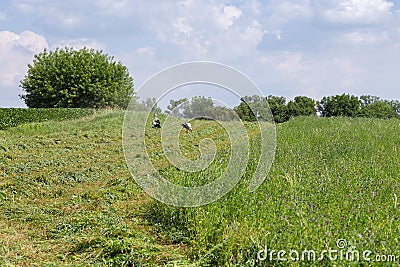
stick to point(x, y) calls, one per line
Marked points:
point(378, 109)
point(395, 104)
point(278, 107)
point(367, 100)
point(252, 108)
point(176, 107)
point(301, 106)
point(339, 105)
point(375, 107)
point(84, 78)
point(244, 111)
point(150, 104)
point(199, 106)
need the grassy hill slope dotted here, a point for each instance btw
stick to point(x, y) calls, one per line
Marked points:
point(67, 197)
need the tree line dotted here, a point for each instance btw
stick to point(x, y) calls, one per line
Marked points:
point(88, 78)
point(277, 108)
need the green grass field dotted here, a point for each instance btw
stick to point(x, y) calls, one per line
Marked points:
point(68, 199)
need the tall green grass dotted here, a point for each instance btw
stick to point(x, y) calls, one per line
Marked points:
point(11, 117)
point(332, 179)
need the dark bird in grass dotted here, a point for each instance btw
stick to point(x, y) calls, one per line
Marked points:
point(187, 126)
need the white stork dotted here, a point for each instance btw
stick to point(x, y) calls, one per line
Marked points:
point(156, 122)
point(187, 126)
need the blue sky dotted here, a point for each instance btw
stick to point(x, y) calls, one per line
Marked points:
point(287, 47)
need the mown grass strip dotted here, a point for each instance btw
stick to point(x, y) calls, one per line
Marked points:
point(67, 198)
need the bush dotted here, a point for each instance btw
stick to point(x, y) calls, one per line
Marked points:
point(76, 79)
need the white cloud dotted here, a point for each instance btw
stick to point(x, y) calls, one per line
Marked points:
point(16, 52)
point(33, 42)
point(292, 64)
point(142, 63)
point(79, 43)
point(304, 61)
point(199, 29)
point(358, 11)
point(146, 51)
point(253, 34)
point(8, 38)
point(293, 9)
point(227, 15)
point(70, 21)
point(290, 46)
point(366, 38)
point(182, 28)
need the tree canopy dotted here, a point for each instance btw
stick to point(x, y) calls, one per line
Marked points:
point(379, 109)
point(339, 105)
point(150, 104)
point(278, 107)
point(201, 107)
point(175, 107)
point(301, 106)
point(252, 108)
point(83, 78)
